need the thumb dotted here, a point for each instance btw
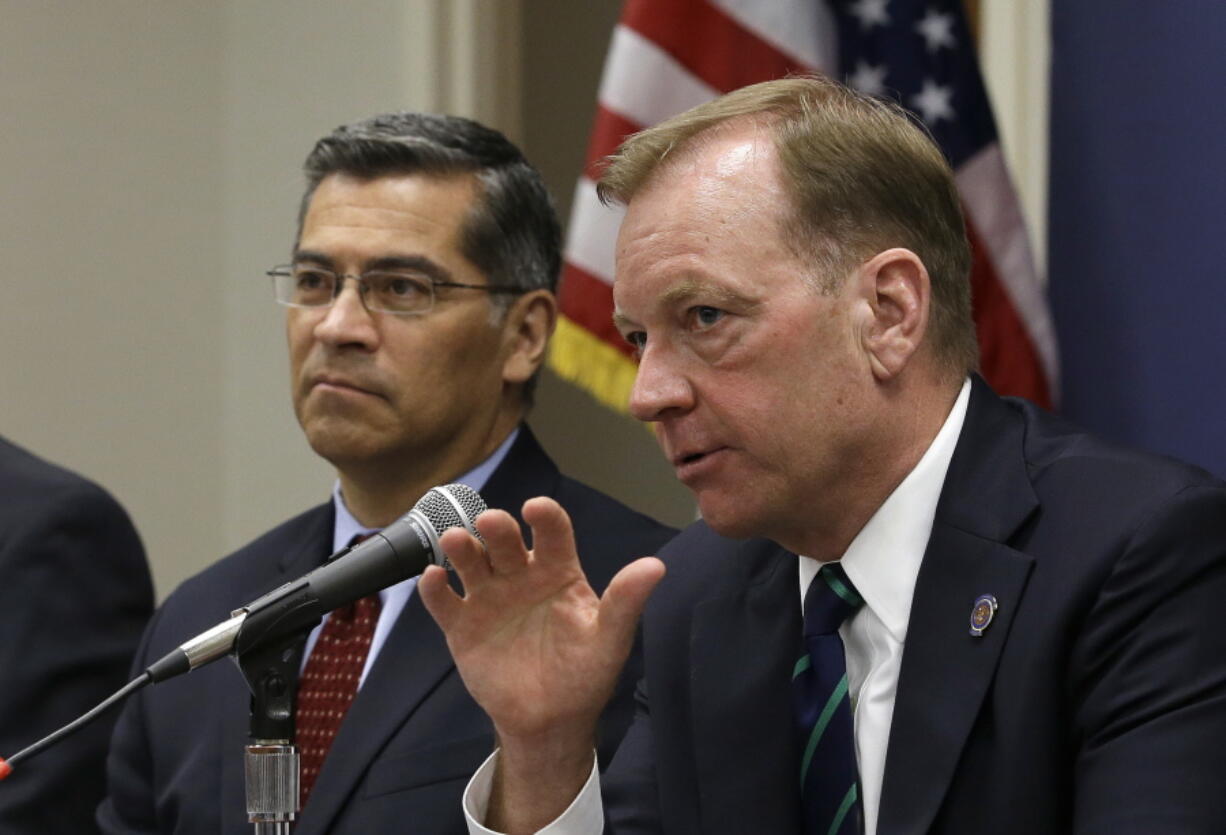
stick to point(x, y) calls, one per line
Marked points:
point(623, 601)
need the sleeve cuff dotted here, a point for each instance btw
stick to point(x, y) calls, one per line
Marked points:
point(584, 816)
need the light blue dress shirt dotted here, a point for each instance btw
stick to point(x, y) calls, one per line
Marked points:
point(394, 598)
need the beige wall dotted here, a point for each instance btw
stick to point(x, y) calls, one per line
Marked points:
point(150, 172)
point(113, 322)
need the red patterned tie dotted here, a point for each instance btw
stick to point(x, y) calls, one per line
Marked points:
point(330, 681)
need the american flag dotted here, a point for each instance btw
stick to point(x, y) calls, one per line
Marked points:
point(669, 55)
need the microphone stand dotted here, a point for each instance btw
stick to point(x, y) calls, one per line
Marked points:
point(269, 650)
point(271, 760)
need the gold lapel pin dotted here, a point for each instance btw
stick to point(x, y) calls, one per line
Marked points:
point(982, 614)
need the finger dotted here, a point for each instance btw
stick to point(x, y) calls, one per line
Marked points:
point(504, 542)
point(466, 556)
point(624, 600)
point(553, 536)
point(438, 597)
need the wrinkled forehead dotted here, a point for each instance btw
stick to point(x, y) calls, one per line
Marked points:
point(409, 207)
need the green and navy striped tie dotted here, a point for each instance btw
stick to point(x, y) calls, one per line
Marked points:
point(829, 785)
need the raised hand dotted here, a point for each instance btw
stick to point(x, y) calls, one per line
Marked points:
point(537, 649)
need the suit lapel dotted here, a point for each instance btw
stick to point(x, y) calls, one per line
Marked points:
point(233, 697)
point(743, 731)
point(946, 671)
point(526, 472)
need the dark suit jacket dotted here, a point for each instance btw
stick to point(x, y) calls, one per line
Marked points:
point(412, 737)
point(75, 593)
point(1095, 701)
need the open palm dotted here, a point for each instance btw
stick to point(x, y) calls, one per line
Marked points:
point(537, 649)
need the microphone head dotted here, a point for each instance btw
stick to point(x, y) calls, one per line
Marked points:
point(446, 507)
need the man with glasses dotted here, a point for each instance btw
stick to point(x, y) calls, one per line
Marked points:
point(420, 299)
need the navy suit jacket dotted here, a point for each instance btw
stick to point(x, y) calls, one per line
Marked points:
point(413, 735)
point(1094, 702)
point(75, 593)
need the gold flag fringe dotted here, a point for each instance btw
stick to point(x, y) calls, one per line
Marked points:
point(577, 355)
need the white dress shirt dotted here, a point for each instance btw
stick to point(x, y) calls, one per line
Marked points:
point(882, 562)
point(392, 599)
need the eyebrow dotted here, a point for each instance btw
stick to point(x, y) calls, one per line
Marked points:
point(622, 322)
point(718, 294)
point(414, 263)
point(687, 289)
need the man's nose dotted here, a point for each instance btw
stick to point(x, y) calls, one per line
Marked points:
point(660, 387)
point(347, 321)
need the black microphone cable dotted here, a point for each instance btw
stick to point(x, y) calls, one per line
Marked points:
point(7, 765)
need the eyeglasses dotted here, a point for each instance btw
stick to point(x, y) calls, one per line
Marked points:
point(399, 292)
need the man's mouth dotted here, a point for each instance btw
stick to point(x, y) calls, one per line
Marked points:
point(694, 462)
point(688, 458)
point(335, 382)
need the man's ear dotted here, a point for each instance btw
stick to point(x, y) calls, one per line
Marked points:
point(899, 295)
point(526, 330)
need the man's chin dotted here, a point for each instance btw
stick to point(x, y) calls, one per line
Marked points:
point(341, 443)
point(729, 517)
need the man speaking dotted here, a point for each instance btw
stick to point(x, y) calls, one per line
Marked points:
point(1007, 625)
point(419, 302)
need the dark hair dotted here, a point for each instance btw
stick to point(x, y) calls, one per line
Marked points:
point(862, 178)
point(511, 233)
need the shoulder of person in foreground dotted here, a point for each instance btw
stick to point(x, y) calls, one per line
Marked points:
point(1111, 654)
point(76, 590)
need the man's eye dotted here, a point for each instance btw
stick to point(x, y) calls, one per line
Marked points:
point(637, 340)
point(402, 286)
point(706, 316)
point(398, 292)
point(398, 288)
point(307, 280)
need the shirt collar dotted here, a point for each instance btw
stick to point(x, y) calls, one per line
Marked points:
point(883, 561)
point(346, 527)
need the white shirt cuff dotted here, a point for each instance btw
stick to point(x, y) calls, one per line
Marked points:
point(584, 816)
